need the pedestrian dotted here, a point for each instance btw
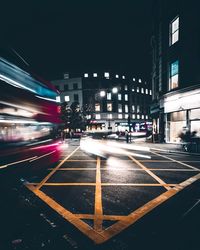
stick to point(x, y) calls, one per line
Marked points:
point(70, 134)
point(126, 135)
point(63, 135)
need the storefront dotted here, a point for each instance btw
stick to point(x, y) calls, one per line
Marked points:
point(96, 126)
point(182, 113)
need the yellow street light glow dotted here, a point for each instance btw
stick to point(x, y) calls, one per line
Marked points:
point(102, 93)
point(114, 90)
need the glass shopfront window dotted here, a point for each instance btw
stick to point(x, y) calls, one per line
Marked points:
point(177, 123)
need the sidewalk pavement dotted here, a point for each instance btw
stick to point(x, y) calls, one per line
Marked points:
point(165, 147)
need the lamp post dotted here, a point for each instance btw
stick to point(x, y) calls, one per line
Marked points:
point(129, 125)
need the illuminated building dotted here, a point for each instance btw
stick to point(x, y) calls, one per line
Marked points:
point(115, 102)
point(175, 45)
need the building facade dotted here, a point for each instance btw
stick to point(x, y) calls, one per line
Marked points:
point(175, 44)
point(70, 89)
point(114, 102)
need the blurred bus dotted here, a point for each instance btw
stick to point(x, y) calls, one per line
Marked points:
point(29, 113)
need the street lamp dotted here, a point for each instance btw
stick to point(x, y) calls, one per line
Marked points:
point(114, 90)
point(102, 93)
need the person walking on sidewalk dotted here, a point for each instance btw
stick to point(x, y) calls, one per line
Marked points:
point(126, 135)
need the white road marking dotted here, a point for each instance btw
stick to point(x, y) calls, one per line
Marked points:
point(42, 156)
point(16, 162)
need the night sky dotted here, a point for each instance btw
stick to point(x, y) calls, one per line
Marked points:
point(79, 35)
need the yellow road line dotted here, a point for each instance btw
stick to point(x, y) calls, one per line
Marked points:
point(104, 184)
point(139, 184)
point(182, 163)
point(129, 169)
point(80, 160)
point(64, 169)
point(154, 161)
point(55, 169)
point(149, 172)
point(174, 169)
point(72, 218)
point(140, 212)
point(98, 199)
point(103, 217)
point(65, 184)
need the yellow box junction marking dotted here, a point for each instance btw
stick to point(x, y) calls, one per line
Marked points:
point(98, 199)
point(55, 169)
point(149, 172)
point(97, 234)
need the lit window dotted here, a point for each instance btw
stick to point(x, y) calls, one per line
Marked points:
point(123, 77)
point(86, 75)
point(138, 90)
point(126, 108)
point(142, 116)
point(102, 93)
point(125, 87)
point(67, 98)
point(117, 76)
point(126, 116)
point(133, 89)
point(133, 108)
point(138, 108)
point(133, 116)
point(57, 98)
point(142, 90)
point(134, 79)
point(88, 117)
point(173, 75)
point(94, 74)
point(150, 92)
point(97, 107)
point(146, 91)
point(146, 116)
point(98, 116)
point(119, 108)
point(106, 74)
point(109, 116)
point(109, 106)
point(66, 76)
point(174, 31)
point(108, 96)
point(126, 97)
point(114, 90)
point(119, 97)
point(139, 80)
point(138, 116)
point(120, 116)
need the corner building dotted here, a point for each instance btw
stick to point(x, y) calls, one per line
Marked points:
point(175, 70)
point(115, 102)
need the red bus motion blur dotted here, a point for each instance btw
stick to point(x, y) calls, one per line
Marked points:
point(29, 117)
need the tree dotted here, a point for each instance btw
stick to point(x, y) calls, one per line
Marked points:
point(73, 116)
point(66, 114)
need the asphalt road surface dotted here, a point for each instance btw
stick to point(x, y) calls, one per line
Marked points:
point(134, 200)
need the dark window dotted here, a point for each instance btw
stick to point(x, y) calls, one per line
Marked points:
point(76, 97)
point(66, 87)
point(75, 85)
